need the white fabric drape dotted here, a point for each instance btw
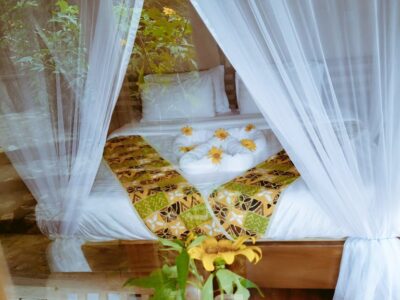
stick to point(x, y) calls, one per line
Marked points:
point(343, 135)
point(62, 66)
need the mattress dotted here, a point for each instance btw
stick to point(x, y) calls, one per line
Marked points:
point(108, 214)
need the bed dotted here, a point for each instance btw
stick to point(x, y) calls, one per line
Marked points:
point(113, 212)
point(109, 214)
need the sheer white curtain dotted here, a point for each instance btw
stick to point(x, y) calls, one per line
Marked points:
point(345, 140)
point(61, 68)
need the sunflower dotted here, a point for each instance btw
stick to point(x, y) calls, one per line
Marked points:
point(185, 149)
point(215, 154)
point(187, 130)
point(250, 127)
point(249, 144)
point(211, 250)
point(221, 133)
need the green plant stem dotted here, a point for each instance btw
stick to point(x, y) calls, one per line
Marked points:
point(194, 270)
point(145, 54)
point(221, 291)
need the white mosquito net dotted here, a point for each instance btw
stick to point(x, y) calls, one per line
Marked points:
point(62, 65)
point(341, 133)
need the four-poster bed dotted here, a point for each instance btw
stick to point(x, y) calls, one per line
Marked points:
point(324, 80)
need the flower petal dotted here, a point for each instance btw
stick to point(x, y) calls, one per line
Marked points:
point(210, 242)
point(249, 253)
point(196, 253)
point(258, 251)
point(225, 244)
point(228, 257)
point(239, 241)
point(208, 262)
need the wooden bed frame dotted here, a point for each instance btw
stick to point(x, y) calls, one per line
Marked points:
point(306, 264)
point(293, 265)
point(289, 270)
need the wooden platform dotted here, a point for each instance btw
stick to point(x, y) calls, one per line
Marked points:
point(288, 270)
point(294, 265)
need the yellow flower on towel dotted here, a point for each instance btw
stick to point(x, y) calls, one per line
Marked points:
point(168, 11)
point(221, 134)
point(211, 250)
point(250, 127)
point(187, 130)
point(215, 154)
point(249, 144)
point(185, 149)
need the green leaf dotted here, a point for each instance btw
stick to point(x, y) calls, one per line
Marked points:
point(63, 5)
point(26, 59)
point(250, 285)
point(169, 271)
point(154, 280)
point(207, 291)
point(165, 293)
point(226, 280)
point(182, 264)
point(173, 244)
point(241, 290)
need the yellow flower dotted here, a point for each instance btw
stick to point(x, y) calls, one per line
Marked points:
point(221, 134)
point(168, 11)
point(250, 127)
point(187, 130)
point(211, 250)
point(185, 149)
point(215, 154)
point(249, 144)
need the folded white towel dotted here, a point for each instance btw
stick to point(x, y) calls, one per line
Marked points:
point(221, 151)
point(184, 142)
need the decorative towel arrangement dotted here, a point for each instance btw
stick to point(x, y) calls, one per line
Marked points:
point(222, 150)
point(171, 207)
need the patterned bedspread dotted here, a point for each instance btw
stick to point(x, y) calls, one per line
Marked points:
point(171, 207)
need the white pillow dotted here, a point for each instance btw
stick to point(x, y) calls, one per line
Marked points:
point(221, 100)
point(191, 98)
point(217, 76)
point(245, 100)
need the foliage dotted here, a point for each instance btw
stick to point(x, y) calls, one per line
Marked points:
point(163, 41)
point(169, 282)
point(41, 40)
point(43, 36)
point(229, 283)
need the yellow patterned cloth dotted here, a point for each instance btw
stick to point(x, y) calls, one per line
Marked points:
point(171, 207)
point(244, 205)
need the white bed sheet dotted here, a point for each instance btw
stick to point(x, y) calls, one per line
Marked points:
point(228, 120)
point(109, 214)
